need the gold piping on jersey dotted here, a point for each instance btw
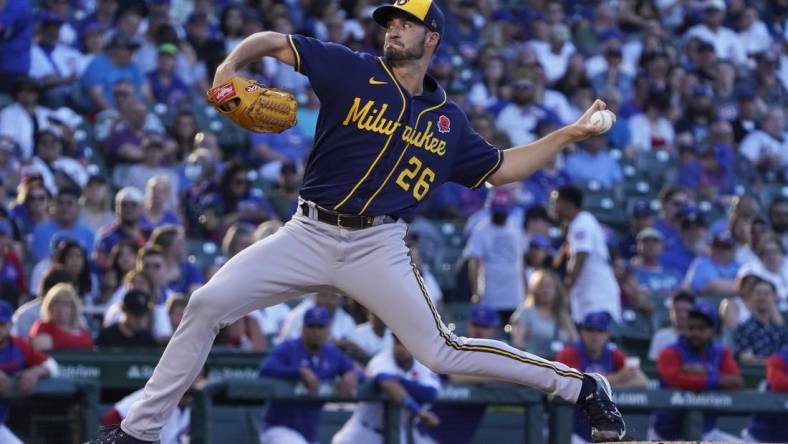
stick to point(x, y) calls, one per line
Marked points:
point(399, 159)
point(484, 348)
point(295, 51)
point(492, 170)
point(385, 146)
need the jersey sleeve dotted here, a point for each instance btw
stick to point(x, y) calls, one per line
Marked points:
point(32, 356)
point(568, 355)
point(777, 374)
point(619, 359)
point(476, 160)
point(580, 237)
point(326, 64)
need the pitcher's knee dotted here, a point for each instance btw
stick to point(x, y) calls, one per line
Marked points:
point(433, 356)
point(205, 304)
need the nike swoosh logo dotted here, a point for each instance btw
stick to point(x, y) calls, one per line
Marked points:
point(372, 81)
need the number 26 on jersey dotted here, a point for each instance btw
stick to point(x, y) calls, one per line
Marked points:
point(422, 184)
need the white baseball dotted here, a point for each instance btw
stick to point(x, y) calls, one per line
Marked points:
point(603, 119)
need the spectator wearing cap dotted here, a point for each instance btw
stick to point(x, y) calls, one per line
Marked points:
point(24, 118)
point(342, 324)
point(133, 330)
point(106, 69)
point(495, 259)
point(520, 117)
point(95, 204)
point(17, 18)
point(182, 276)
point(13, 285)
point(64, 221)
point(696, 362)
point(770, 427)
point(707, 175)
point(657, 280)
point(616, 76)
point(20, 361)
point(681, 303)
point(61, 324)
point(767, 146)
point(773, 265)
point(539, 255)
point(727, 43)
point(760, 336)
point(117, 120)
point(641, 217)
point(166, 85)
point(128, 210)
point(593, 163)
point(54, 65)
point(691, 244)
point(542, 324)
point(747, 107)
point(313, 361)
point(698, 114)
point(595, 353)
point(715, 273)
point(458, 422)
point(590, 279)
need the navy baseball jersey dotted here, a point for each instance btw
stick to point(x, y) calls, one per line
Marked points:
point(378, 150)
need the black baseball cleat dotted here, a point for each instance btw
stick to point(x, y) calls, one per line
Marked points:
point(606, 421)
point(116, 435)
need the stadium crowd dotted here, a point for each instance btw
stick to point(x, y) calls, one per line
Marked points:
point(122, 190)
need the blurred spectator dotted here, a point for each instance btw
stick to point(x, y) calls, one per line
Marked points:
point(519, 118)
point(707, 175)
point(60, 326)
point(673, 200)
point(166, 85)
point(200, 182)
point(595, 353)
point(152, 165)
point(778, 219)
point(772, 264)
point(495, 259)
point(760, 336)
point(16, 17)
point(184, 132)
point(22, 119)
point(13, 285)
point(135, 279)
point(284, 197)
point(133, 330)
point(122, 259)
point(20, 361)
point(657, 280)
point(54, 65)
point(234, 201)
point(715, 274)
point(342, 324)
point(590, 279)
point(747, 113)
point(128, 210)
point(652, 129)
point(371, 337)
point(96, 83)
point(52, 162)
point(593, 163)
point(696, 362)
point(539, 255)
point(406, 382)
point(681, 303)
point(616, 76)
point(64, 222)
point(767, 146)
point(126, 111)
point(554, 54)
point(243, 334)
point(32, 203)
point(641, 217)
point(458, 422)
point(542, 182)
point(542, 324)
point(313, 361)
point(74, 259)
point(770, 427)
point(29, 312)
point(159, 205)
point(691, 243)
point(176, 306)
point(727, 43)
point(94, 204)
point(488, 90)
point(181, 275)
point(740, 227)
point(753, 33)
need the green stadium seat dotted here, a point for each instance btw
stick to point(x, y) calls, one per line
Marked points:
point(772, 191)
point(202, 253)
point(654, 164)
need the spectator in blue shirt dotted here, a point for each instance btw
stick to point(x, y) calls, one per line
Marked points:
point(182, 276)
point(690, 244)
point(65, 217)
point(762, 335)
point(594, 163)
point(32, 202)
point(166, 86)
point(673, 200)
point(128, 209)
point(642, 218)
point(311, 360)
point(656, 279)
point(106, 69)
point(715, 273)
point(16, 38)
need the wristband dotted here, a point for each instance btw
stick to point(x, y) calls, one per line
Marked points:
point(410, 404)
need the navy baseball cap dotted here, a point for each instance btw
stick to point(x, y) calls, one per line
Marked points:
point(137, 303)
point(597, 320)
point(317, 315)
point(426, 12)
point(6, 312)
point(642, 208)
point(484, 315)
point(706, 312)
point(723, 239)
point(539, 241)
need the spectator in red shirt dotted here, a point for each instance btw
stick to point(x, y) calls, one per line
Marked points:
point(60, 326)
point(20, 361)
point(595, 353)
point(770, 427)
point(696, 362)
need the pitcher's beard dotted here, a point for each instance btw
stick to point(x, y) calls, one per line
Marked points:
point(399, 56)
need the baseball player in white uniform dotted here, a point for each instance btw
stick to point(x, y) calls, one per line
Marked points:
point(387, 136)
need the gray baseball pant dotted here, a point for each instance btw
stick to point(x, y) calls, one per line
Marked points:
point(370, 265)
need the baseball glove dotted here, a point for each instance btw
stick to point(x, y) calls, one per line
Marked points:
point(254, 106)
